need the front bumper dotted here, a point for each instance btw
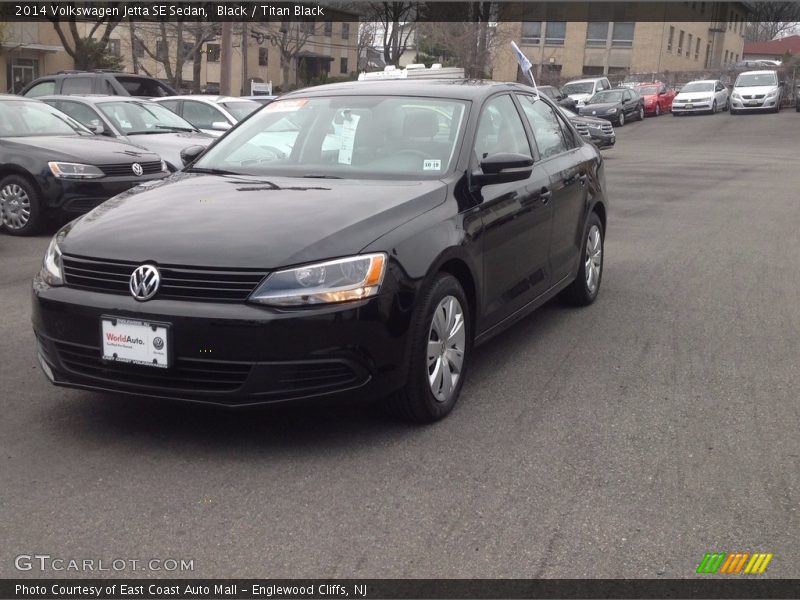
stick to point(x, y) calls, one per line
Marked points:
point(758, 104)
point(692, 107)
point(80, 196)
point(232, 354)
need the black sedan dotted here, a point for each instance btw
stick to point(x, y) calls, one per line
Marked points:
point(142, 122)
point(408, 222)
point(618, 106)
point(51, 166)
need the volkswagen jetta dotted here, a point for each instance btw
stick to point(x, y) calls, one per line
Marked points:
point(356, 237)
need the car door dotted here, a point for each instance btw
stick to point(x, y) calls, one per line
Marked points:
point(561, 155)
point(720, 94)
point(516, 216)
point(629, 104)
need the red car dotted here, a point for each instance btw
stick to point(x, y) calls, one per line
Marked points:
point(657, 97)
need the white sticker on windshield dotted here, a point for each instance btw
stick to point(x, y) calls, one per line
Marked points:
point(347, 138)
point(432, 165)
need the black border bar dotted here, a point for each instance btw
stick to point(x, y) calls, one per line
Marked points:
point(713, 588)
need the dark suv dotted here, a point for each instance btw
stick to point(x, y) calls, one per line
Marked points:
point(97, 82)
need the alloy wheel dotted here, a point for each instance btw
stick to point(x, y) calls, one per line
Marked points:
point(446, 345)
point(15, 206)
point(658, 109)
point(594, 259)
point(621, 119)
point(641, 113)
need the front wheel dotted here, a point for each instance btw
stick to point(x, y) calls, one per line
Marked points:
point(713, 108)
point(641, 113)
point(727, 105)
point(583, 290)
point(20, 208)
point(440, 345)
point(621, 119)
point(658, 109)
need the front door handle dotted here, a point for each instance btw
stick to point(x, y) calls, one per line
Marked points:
point(582, 178)
point(545, 195)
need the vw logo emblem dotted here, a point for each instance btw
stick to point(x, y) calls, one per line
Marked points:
point(144, 282)
point(137, 169)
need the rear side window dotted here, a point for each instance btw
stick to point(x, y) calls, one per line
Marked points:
point(77, 85)
point(142, 86)
point(170, 104)
point(201, 115)
point(45, 88)
point(81, 113)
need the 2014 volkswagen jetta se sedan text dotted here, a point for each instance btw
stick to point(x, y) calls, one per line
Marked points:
point(355, 238)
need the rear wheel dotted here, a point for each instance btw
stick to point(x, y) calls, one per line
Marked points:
point(440, 345)
point(583, 290)
point(641, 113)
point(20, 208)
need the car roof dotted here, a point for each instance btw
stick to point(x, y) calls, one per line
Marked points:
point(94, 98)
point(457, 89)
point(586, 80)
point(762, 72)
point(17, 97)
point(211, 98)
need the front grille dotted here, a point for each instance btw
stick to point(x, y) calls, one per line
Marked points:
point(187, 374)
point(121, 169)
point(177, 282)
point(312, 376)
point(607, 128)
point(582, 129)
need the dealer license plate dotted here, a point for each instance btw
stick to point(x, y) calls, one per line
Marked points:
point(135, 342)
point(753, 103)
point(689, 106)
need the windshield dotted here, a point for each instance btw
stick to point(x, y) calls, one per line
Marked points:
point(132, 118)
point(698, 86)
point(241, 108)
point(649, 90)
point(343, 137)
point(606, 96)
point(25, 117)
point(756, 79)
point(587, 87)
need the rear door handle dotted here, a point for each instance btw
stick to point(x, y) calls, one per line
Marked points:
point(582, 178)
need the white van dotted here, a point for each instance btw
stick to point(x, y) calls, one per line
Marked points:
point(581, 90)
point(756, 90)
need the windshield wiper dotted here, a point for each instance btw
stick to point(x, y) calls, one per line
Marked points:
point(316, 176)
point(174, 128)
point(212, 171)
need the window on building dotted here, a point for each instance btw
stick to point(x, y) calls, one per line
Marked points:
point(680, 43)
point(345, 31)
point(531, 32)
point(702, 8)
point(623, 35)
point(689, 46)
point(618, 70)
point(263, 57)
point(555, 32)
point(113, 47)
point(138, 48)
point(212, 52)
point(726, 57)
point(671, 39)
point(343, 65)
point(162, 49)
point(597, 35)
point(591, 71)
point(697, 49)
point(551, 70)
point(328, 29)
point(708, 55)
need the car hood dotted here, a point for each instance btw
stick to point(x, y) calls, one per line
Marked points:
point(84, 149)
point(693, 96)
point(579, 97)
point(591, 120)
point(169, 145)
point(247, 222)
point(600, 108)
point(756, 90)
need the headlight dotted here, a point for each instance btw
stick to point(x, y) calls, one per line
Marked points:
point(611, 111)
point(52, 272)
point(340, 280)
point(736, 96)
point(772, 93)
point(64, 170)
point(164, 168)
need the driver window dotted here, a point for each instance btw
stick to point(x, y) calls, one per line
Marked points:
point(546, 127)
point(500, 130)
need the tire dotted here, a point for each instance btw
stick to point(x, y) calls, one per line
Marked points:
point(583, 290)
point(443, 310)
point(621, 119)
point(713, 108)
point(641, 113)
point(658, 109)
point(20, 207)
point(727, 104)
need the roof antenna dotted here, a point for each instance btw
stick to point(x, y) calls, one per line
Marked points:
point(525, 65)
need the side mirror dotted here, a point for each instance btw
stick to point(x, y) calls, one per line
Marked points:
point(503, 168)
point(98, 129)
point(220, 126)
point(190, 154)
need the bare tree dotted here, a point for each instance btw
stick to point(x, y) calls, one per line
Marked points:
point(470, 43)
point(87, 51)
point(771, 20)
point(180, 42)
point(288, 38)
point(366, 39)
point(397, 23)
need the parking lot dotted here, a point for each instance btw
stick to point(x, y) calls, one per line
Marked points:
point(626, 439)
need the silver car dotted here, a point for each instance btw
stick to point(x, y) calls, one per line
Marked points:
point(703, 96)
point(213, 115)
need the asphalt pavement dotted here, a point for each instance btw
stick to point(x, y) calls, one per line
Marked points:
point(626, 439)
